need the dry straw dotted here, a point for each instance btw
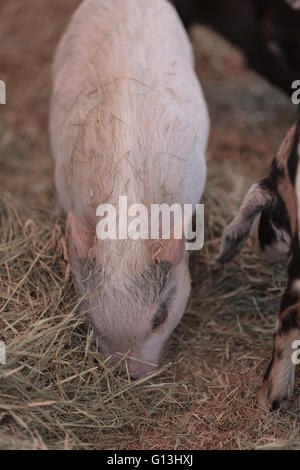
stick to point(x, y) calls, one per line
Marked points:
point(55, 389)
point(57, 392)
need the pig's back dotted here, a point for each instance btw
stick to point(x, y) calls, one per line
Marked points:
point(127, 115)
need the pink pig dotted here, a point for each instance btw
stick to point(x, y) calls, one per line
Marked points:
point(128, 117)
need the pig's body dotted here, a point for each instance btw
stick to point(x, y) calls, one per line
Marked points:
point(127, 118)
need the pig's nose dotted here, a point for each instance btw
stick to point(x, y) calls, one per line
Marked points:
point(112, 359)
point(134, 367)
point(138, 370)
point(133, 379)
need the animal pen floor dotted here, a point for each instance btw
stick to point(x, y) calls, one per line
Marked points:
point(55, 391)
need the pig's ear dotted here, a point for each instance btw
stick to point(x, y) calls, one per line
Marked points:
point(236, 234)
point(170, 250)
point(80, 237)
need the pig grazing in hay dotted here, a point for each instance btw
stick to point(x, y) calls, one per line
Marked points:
point(128, 118)
point(277, 200)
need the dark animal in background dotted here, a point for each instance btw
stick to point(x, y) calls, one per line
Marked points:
point(266, 31)
point(277, 199)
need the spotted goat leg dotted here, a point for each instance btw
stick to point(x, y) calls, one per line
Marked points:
point(279, 381)
point(276, 200)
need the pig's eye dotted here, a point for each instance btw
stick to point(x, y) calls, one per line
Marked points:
point(160, 316)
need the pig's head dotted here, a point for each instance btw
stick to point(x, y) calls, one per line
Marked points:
point(134, 299)
point(274, 200)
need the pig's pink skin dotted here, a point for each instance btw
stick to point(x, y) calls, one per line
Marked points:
point(127, 118)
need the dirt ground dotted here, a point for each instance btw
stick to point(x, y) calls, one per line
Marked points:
point(222, 346)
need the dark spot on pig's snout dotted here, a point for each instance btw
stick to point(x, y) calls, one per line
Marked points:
point(160, 316)
point(163, 310)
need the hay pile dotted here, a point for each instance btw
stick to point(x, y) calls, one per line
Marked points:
point(55, 390)
point(57, 393)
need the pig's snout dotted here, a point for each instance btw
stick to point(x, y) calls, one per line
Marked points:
point(132, 366)
point(137, 369)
